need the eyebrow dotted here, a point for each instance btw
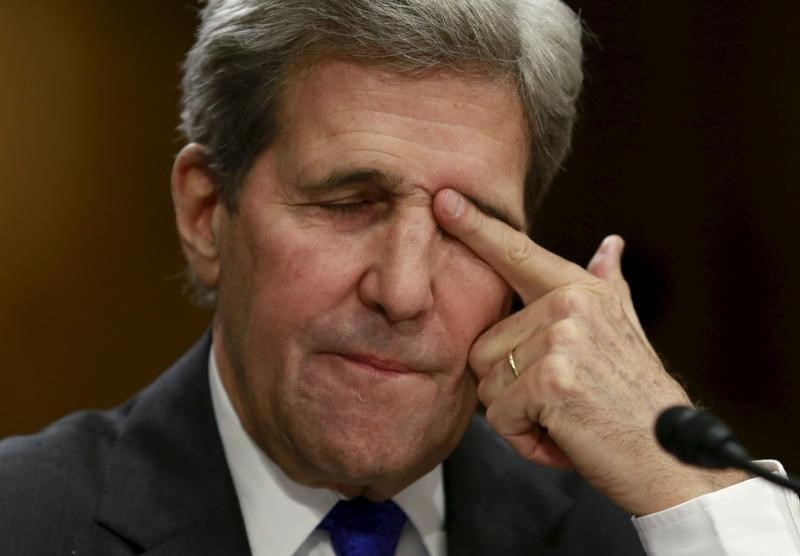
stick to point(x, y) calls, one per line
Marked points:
point(343, 178)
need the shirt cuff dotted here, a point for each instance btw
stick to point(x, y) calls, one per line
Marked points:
point(745, 519)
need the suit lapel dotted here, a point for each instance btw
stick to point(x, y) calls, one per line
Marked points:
point(167, 488)
point(497, 503)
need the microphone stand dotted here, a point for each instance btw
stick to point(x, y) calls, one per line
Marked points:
point(700, 438)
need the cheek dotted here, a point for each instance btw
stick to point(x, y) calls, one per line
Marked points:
point(298, 274)
point(474, 298)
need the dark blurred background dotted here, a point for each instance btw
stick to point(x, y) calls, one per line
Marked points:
point(688, 145)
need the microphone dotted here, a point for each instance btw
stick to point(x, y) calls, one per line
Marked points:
point(700, 438)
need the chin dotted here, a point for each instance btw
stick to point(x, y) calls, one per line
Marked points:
point(361, 458)
point(384, 445)
point(365, 459)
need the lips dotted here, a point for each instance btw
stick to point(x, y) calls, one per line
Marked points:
point(378, 363)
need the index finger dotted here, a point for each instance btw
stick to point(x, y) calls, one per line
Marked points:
point(529, 268)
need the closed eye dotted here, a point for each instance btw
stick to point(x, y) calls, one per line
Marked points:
point(348, 208)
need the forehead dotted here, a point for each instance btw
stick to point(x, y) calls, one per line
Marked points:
point(437, 129)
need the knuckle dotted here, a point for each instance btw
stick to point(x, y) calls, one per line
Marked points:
point(572, 301)
point(565, 332)
point(595, 282)
point(484, 392)
point(478, 359)
point(601, 288)
point(521, 323)
point(556, 375)
point(492, 385)
point(518, 248)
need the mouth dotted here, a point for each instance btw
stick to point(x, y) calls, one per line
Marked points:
point(373, 363)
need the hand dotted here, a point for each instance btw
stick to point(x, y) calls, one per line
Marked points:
point(590, 385)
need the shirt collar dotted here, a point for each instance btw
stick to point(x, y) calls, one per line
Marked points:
point(280, 514)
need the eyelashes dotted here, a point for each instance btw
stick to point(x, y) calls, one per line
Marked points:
point(349, 207)
point(366, 207)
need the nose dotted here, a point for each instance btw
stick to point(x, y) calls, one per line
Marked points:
point(399, 280)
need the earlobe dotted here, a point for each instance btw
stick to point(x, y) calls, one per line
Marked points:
point(198, 212)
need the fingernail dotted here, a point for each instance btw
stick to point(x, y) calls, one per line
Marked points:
point(453, 203)
point(605, 246)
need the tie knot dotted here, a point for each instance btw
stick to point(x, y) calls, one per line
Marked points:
point(359, 527)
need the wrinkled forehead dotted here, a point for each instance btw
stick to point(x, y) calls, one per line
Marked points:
point(461, 85)
point(454, 129)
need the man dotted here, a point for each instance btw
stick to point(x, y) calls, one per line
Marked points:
point(353, 200)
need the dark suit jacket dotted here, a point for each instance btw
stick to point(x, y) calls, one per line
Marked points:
point(150, 477)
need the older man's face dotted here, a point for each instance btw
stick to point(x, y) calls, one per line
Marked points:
point(345, 315)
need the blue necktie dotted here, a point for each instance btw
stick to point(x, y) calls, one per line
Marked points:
point(359, 527)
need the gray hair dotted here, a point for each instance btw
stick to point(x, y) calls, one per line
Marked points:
point(246, 50)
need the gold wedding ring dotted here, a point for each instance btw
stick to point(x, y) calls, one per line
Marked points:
point(513, 364)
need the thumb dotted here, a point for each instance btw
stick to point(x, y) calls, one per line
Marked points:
point(606, 264)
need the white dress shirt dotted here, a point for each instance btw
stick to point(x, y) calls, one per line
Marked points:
point(752, 518)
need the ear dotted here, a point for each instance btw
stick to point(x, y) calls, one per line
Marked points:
point(198, 212)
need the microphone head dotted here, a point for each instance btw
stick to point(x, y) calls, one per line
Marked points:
point(699, 438)
point(669, 427)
